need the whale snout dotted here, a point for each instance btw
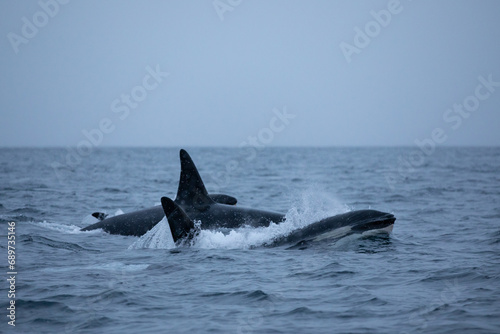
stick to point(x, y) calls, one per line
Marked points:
point(374, 220)
point(387, 217)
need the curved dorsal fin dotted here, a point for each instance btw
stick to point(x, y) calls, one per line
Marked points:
point(192, 191)
point(180, 224)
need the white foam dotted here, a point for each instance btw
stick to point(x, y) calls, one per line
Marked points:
point(89, 220)
point(117, 213)
point(314, 204)
point(159, 237)
point(63, 228)
point(311, 207)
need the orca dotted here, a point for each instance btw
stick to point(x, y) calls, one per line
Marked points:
point(194, 204)
point(193, 198)
point(359, 222)
point(362, 222)
point(215, 210)
point(138, 223)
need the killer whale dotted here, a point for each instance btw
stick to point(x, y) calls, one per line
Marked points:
point(215, 210)
point(184, 229)
point(193, 203)
point(192, 197)
point(139, 222)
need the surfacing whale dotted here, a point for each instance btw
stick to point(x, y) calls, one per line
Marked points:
point(213, 210)
point(362, 222)
point(139, 222)
point(193, 203)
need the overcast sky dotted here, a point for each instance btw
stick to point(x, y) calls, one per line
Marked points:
point(287, 73)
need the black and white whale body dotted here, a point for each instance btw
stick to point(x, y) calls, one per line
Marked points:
point(363, 222)
point(184, 229)
point(213, 210)
point(193, 203)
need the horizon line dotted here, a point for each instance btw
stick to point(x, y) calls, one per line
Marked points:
point(238, 147)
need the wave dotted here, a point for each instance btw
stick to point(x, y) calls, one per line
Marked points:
point(74, 229)
point(62, 228)
point(36, 239)
point(118, 266)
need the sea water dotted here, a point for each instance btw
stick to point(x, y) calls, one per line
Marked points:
point(437, 272)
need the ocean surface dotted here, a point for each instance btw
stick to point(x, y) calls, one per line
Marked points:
point(438, 272)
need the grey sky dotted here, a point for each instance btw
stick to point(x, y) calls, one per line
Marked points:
point(229, 70)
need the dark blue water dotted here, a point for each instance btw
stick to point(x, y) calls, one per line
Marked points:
point(438, 272)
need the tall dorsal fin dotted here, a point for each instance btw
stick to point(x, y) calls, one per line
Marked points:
point(180, 224)
point(192, 191)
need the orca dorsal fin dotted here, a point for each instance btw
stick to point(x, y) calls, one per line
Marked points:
point(180, 224)
point(192, 191)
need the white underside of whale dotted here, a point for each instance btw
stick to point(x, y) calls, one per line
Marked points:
point(347, 230)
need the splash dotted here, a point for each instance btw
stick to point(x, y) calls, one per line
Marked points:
point(73, 229)
point(159, 237)
point(311, 207)
point(63, 228)
point(117, 213)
